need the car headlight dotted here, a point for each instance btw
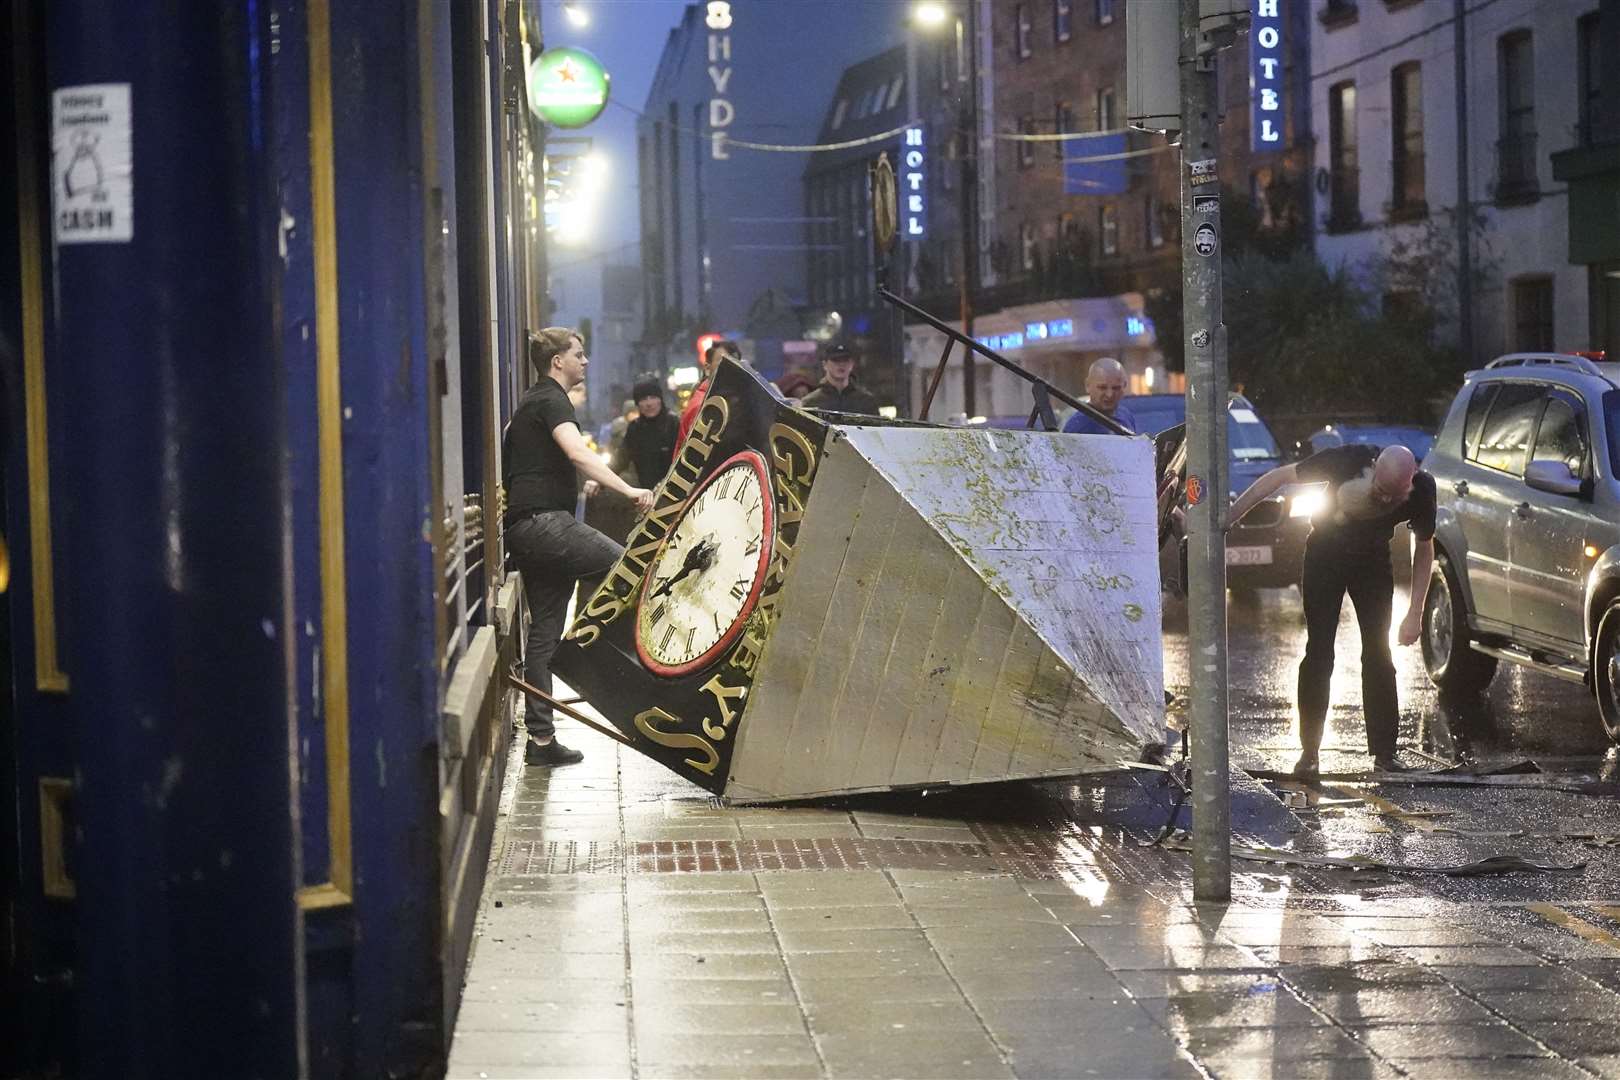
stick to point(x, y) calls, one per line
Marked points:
point(1307, 504)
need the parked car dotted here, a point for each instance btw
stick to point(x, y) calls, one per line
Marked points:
point(1267, 548)
point(1413, 438)
point(1527, 543)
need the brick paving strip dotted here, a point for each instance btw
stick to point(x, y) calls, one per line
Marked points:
point(632, 928)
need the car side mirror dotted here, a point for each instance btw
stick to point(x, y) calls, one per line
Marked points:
point(1552, 476)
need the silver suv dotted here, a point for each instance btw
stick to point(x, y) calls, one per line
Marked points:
point(1527, 543)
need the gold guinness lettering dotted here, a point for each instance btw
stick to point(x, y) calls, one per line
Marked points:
point(617, 594)
point(647, 723)
point(786, 443)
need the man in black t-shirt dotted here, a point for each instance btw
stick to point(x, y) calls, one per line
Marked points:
point(543, 454)
point(1369, 492)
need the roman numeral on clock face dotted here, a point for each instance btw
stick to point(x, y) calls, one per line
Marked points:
point(660, 611)
point(740, 589)
point(669, 636)
point(691, 632)
point(753, 546)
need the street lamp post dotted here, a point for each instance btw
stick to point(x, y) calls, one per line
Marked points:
point(969, 111)
point(931, 15)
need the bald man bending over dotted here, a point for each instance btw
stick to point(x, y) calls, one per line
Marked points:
point(1105, 386)
point(1369, 492)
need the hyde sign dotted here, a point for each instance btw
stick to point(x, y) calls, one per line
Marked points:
point(721, 111)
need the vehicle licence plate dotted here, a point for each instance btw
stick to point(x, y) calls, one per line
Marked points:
point(1249, 556)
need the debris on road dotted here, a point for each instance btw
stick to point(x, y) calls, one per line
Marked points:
point(1493, 864)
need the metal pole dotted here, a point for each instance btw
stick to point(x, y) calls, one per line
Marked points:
point(1206, 464)
point(1465, 297)
point(970, 221)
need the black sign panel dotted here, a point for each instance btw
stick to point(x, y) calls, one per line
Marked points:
point(690, 721)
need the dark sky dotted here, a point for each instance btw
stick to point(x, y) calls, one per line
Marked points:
point(628, 37)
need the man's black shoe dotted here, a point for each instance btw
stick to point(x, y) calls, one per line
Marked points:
point(1307, 765)
point(1387, 763)
point(551, 753)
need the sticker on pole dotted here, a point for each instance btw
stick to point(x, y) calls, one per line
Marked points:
point(92, 172)
point(1200, 339)
point(1204, 240)
point(1195, 490)
point(1206, 204)
point(1202, 172)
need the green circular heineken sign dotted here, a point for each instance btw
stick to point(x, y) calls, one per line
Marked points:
point(567, 87)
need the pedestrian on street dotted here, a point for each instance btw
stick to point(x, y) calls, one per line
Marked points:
point(1105, 387)
point(544, 455)
point(1369, 492)
point(649, 442)
point(711, 359)
point(838, 391)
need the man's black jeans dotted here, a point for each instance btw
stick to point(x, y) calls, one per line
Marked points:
point(1330, 573)
point(552, 550)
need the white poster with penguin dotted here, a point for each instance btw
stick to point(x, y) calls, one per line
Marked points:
point(92, 178)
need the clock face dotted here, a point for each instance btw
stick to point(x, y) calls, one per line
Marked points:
point(705, 579)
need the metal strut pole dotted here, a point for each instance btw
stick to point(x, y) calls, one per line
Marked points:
point(1206, 464)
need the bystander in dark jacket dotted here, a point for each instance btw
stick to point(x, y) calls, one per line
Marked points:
point(838, 391)
point(649, 441)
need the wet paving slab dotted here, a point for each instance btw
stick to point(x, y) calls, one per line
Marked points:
point(634, 926)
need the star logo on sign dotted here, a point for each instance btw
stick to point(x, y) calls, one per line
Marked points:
point(567, 72)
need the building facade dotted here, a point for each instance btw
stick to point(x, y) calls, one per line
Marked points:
point(1591, 168)
point(1081, 234)
point(722, 220)
point(1393, 103)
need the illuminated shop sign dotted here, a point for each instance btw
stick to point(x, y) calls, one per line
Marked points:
point(721, 111)
point(912, 184)
point(1058, 329)
point(567, 87)
point(1266, 74)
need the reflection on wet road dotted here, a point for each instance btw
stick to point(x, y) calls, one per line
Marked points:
point(1524, 714)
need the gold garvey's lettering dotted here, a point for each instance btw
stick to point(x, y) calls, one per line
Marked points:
point(746, 655)
point(790, 447)
point(723, 694)
point(647, 723)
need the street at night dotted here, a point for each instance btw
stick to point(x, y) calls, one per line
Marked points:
point(829, 539)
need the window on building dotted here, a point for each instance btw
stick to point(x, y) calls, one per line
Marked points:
point(1154, 223)
point(1067, 231)
point(1344, 169)
point(1105, 12)
point(1108, 229)
point(895, 87)
point(1516, 149)
point(1022, 33)
point(1588, 76)
point(947, 65)
point(1406, 108)
point(1026, 149)
point(1062, 20)
point(1062, 124)
point(1533, 314)
point(1026, 246)
point(1107, 115)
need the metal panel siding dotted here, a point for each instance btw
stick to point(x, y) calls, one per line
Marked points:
point(1063, 527)
point(920, 564)
point(926, 718)
point(888, 572)
point(824, 755)
point(761, 759)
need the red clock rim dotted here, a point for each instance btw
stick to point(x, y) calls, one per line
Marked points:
point(755, 460)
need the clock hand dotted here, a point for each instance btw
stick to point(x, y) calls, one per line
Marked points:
point(700, 557)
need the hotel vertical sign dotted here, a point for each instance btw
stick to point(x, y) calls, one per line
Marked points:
point(721, 111)
point(1266, 35)
point(914, 183)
